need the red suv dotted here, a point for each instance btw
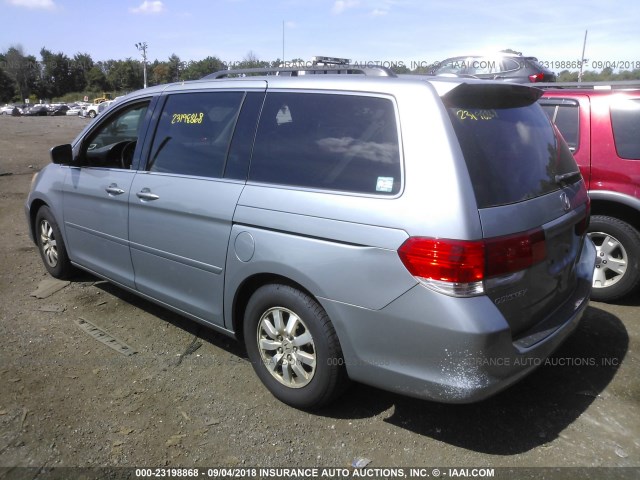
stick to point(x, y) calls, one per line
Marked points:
point(601, 125)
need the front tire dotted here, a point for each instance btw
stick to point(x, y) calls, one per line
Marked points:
point(293, 347)
point(617, 271)
point(51, 245)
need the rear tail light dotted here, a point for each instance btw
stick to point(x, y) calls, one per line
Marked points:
point(536, 77)
point(513, 253)
point(459, 267)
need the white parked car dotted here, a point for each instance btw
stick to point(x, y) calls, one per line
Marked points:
point(77, 110)
point(6, 110)
point(93, 110)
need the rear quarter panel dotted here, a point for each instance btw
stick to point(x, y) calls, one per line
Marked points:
point(343, 247)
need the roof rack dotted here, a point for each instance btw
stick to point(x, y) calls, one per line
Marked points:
point(320, 60)
point(615, 85)
point(372, 71)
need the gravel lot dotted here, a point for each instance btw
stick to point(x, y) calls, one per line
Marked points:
point(189, 397)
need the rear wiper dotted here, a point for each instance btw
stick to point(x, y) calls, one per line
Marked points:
point(567, 177)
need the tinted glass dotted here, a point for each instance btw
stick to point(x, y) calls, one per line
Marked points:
point(512, 154)
point(245, 132)
point(194, 132)
point(335, 142)
point(567, 119)
point(483, 66)
point(625, 117)
point(509, 64)
point(536, 65)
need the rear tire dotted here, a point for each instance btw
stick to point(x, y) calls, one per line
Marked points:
point(51, 245)
point(293, 347)
point(617, 271)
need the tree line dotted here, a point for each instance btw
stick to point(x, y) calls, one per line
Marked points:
point(56, 75)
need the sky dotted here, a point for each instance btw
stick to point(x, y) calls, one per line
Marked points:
point(409, 32)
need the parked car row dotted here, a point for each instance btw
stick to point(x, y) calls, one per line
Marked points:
point(45, 109)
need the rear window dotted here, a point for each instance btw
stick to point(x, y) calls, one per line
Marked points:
point(537, 64)
point(328, 141)
point(625, 117)
point(513, 154)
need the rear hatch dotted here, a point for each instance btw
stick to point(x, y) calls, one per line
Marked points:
point(531, 200)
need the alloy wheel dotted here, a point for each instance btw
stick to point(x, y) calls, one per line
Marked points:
point(286, 347)
point(611, 260)
point(48, 243)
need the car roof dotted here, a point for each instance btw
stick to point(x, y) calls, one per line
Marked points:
point(352, 82)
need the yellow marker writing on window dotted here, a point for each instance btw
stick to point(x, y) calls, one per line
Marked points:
point(187, 118)
point(476, 114)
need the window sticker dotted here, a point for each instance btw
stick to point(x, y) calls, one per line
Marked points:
point(476, 114)
point(187, 118)
point(384, 184)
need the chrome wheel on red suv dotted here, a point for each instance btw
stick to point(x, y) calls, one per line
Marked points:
point(618, 251)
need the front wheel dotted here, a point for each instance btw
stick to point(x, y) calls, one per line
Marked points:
point(92, 114)
point(293, 347)
point(617, 270)
point(51, 245)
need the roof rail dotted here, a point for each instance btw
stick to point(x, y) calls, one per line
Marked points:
point(373, 71)
point(614, 85)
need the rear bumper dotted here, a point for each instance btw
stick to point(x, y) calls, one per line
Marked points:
point(452, 350)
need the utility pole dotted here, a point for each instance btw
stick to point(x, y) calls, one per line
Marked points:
point(584, 45)
point(142, 46)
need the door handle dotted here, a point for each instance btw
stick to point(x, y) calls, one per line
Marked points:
point(145, 194)
point(113, 189)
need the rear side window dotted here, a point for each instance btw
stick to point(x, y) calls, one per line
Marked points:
point(625, 117)
point(512, 154)
point(509, 65)
point(328, 141)
point(483, 66)
point(567, 118)
point(194, 132)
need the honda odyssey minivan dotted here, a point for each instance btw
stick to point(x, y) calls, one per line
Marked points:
point(423, 235)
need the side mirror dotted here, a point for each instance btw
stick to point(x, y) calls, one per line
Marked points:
point(62, 154)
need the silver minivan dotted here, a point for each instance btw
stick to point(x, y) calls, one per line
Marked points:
point(423, 235)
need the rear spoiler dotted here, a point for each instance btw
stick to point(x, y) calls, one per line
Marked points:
point(491, 95)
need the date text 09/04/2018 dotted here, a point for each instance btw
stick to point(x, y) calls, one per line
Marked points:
point(312, 472)
point(595, 64)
